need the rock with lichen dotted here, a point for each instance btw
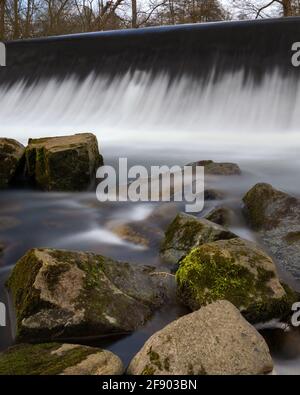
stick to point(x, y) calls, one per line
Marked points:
point(65, 294)
point(66, 163)
point(58, 359)
point(187, 232)
point(275, 215)
point(11, 154)
point(215, 340)
point(238, 271)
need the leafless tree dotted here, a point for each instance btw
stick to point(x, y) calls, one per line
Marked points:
point(2, 20)
point(250, 9)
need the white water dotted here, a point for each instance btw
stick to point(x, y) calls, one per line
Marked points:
point(135, 110)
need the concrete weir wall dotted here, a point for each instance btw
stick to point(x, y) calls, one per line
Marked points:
point(256, 47)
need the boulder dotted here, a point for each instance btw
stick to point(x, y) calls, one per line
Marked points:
point(11, 153)
point(212, 168)
point(67, 163)
point(275, 215)
point(220, 215)
point(187, 232)
point(65, 294)
point(215, 340)
point(238, 271)
point(59, 359)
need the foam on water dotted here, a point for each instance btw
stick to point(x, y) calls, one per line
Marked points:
point(232, 114)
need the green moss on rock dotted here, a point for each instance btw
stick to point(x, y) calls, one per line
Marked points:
point(235, 271)
point(11, 154)
point(41, 359)
point(67, 163)
point(154, 358)
point(148, 371)
point(21, 285)
point(186, 232)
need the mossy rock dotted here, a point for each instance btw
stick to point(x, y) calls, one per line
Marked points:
point(67, 163)
point(275, 215)
point(11, 154)
point(65, 294)
point(187, 232)
point(238, 271)
point(58, 359)
point(215, 340)
point(266, 207)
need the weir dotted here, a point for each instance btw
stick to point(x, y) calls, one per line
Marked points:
point(255, 47)
point(231, 77)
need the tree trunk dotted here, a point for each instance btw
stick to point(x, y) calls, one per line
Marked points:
point(287, 7)
point(2, 20)
point(16, 29)
point(28, 19)
point(172, 12)
point(134, 14)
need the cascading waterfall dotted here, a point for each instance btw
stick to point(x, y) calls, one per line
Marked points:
point(127, 107)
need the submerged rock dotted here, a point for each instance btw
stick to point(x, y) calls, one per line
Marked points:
point(213, 194)
point(162, 215)
point(187, 232)
point(11, 153)
point(238, 271)
point(66, 163)
point(2, 247)
point(218, 169)
point(63, 294)
point(7, 222)
point(59, 359)
point(276, 217)
point(215, 340)
point(138, 232)
point(148, 232)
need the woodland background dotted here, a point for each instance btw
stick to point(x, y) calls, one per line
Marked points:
point(21, 19)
